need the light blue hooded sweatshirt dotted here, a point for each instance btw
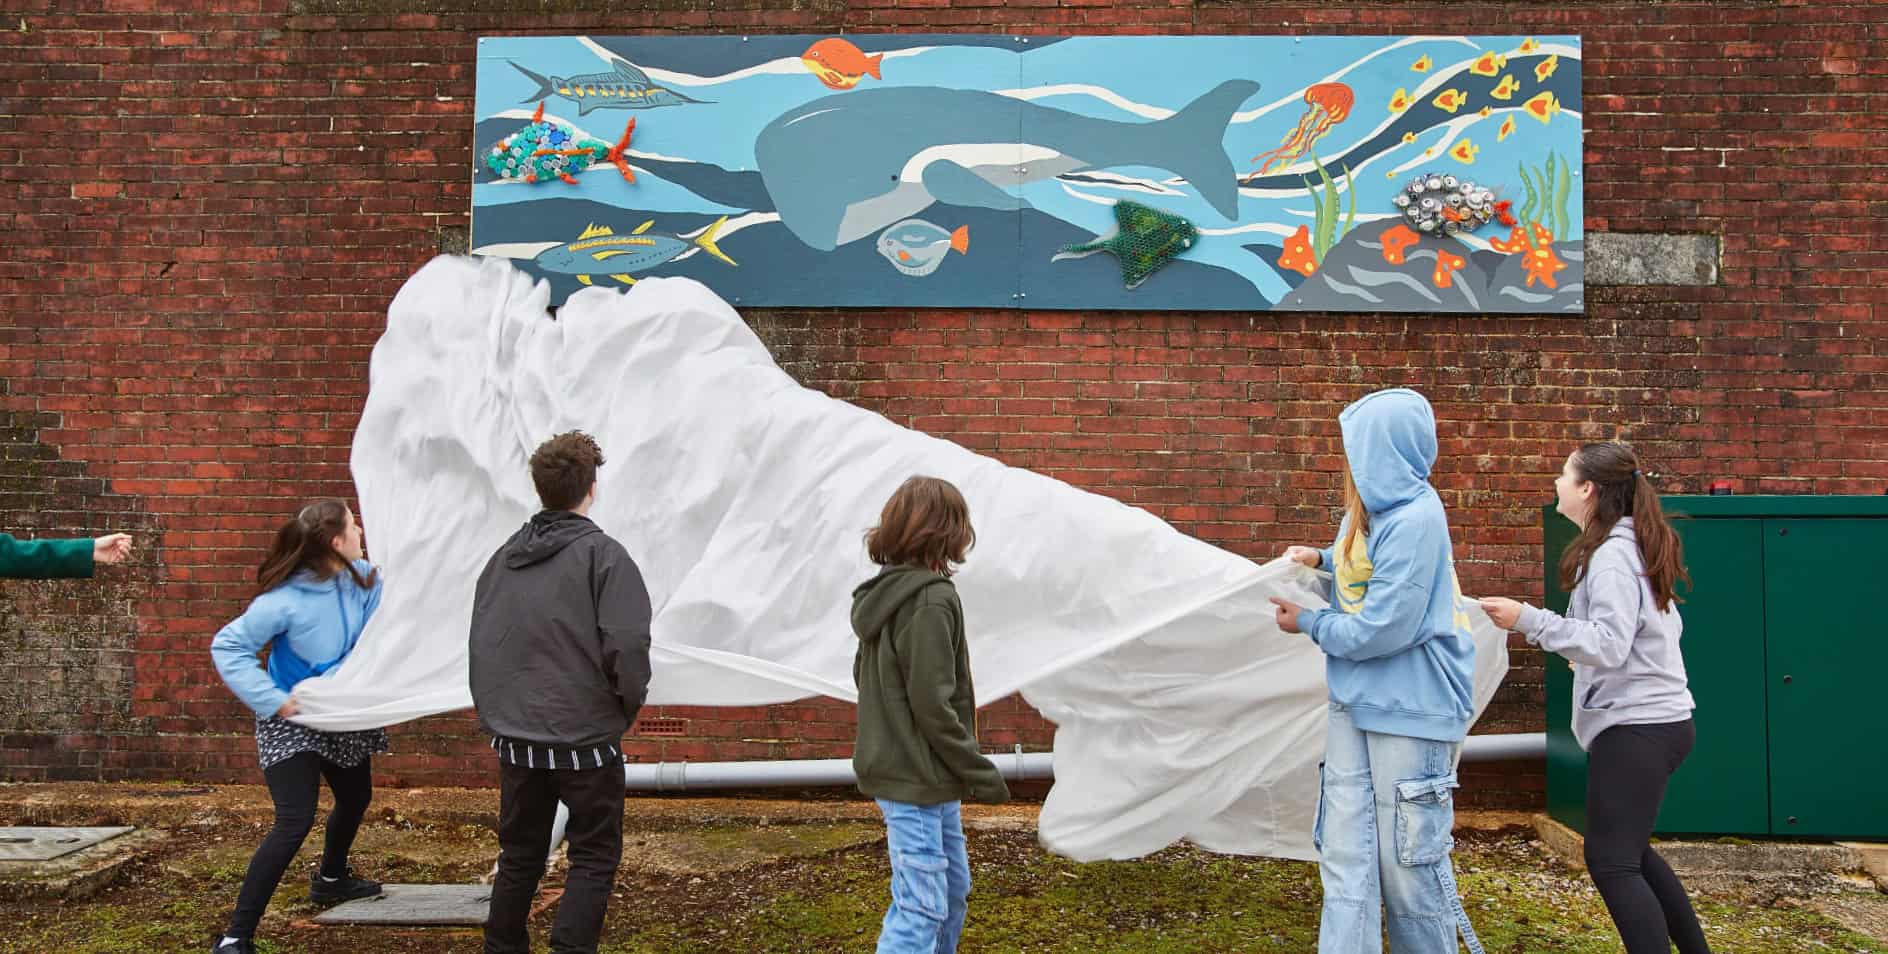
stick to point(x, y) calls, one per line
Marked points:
point(1398, 650)
point(312, 623)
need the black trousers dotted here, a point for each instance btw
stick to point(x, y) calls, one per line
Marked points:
point(1627, 769)
point(528, 800)
point(294, 785)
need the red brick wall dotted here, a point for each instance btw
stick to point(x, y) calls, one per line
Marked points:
point(204, 216)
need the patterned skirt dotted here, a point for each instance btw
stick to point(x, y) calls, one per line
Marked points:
point(278, 739)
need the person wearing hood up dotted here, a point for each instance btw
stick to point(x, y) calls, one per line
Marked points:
point(1632, 703)
point(317, 592)
point(1399, 658)
point(917, 752)
point(559, 662)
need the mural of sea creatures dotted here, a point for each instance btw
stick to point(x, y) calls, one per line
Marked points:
point(1327, 104)
point(1144, 239)
point(839, 64)
point(825, 163)
point(624, 87)
point(545, 149)
point(600, 251)
point(917, 247)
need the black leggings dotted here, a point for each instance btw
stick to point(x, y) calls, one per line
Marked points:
point(1627, 768)
point(294, 784)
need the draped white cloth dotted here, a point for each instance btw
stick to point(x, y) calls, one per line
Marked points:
point(1182, 711)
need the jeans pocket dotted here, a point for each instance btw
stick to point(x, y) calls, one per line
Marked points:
point(1317, 820)
point(919, 883)
point(1425, 817)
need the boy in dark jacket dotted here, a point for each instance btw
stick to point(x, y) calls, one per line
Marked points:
point(559, 668)
point(917, 748)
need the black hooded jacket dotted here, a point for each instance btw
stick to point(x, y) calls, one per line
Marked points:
point(559, 643)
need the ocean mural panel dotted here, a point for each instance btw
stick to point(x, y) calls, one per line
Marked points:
point(1329, 173)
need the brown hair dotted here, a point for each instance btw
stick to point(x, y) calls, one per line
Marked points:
point(925, 523)
point(306, 542)
point(1621, 490)
point(564, 469)
point(1356, 518)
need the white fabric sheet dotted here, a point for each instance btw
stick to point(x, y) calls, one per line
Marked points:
point(1182, 711)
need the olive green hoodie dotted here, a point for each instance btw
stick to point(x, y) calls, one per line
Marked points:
point(917, 713)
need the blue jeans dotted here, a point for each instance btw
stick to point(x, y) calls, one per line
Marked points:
point(930, 878)
point(1386, 810)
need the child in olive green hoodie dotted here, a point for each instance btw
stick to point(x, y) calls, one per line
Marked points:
point(917, 747)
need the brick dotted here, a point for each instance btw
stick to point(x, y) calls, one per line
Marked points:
point(206, 378)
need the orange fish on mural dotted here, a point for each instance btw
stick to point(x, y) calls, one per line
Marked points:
point(1529, 45)
point(1400, 100)
point(1422, 65)
point(839, 64)
point(1489, 64)
point(1506, 130)
point(1546, 67)
point(1465, 152)
point(1504, 90)
point(1450, 100)
point(1543, 107)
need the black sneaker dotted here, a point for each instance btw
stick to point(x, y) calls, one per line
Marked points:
point(233, 947)
point(346, 888)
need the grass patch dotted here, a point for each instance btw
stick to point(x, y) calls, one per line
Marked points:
point(823, 887)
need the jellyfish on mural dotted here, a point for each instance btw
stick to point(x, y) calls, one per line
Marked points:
point(1328, 104)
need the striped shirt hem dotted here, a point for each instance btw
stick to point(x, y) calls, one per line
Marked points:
point(568, 758)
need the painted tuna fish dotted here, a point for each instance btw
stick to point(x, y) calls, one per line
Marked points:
point(917, 247)
point(600, 251)
point(846, 166)
point(624, 87)
point(1144, 240)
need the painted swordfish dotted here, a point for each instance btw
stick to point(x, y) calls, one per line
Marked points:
point(844, 167)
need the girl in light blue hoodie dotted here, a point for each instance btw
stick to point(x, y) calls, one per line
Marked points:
point(316, 593)
point(1400, 660)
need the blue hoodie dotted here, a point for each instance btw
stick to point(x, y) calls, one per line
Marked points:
point(313, 625)
point(1398, 650)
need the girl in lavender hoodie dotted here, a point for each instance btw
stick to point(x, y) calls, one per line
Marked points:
point(1631, 707)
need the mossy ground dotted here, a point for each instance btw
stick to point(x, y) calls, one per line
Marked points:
point(728, 883)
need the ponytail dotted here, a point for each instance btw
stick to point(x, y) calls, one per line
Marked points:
point(1659, 545)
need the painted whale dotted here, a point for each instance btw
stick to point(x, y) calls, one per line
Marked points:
point(845, 167)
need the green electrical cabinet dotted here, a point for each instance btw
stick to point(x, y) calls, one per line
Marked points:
point(1786, 648)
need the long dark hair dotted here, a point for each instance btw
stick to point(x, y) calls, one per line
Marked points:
point(306, 542)
point(1621, 490)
